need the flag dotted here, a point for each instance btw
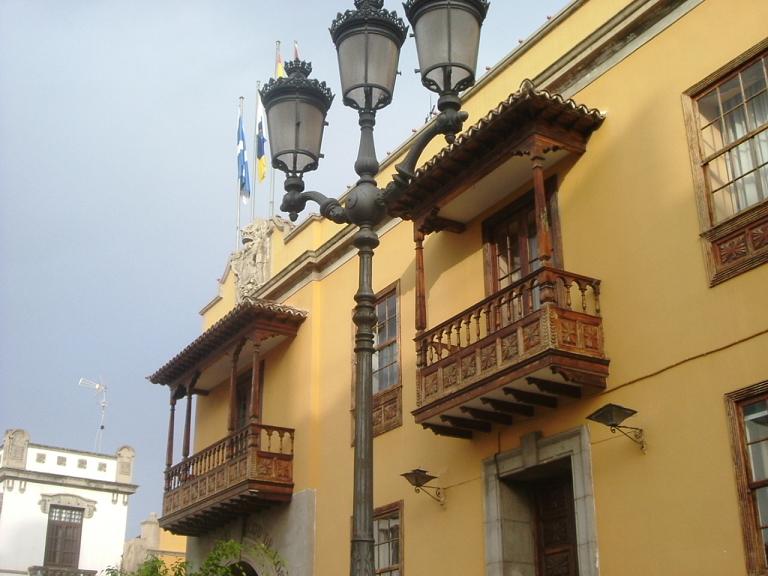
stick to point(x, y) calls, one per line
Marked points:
point(279, 65)
point(242, 161)
point(296, 55)
point(261, 157)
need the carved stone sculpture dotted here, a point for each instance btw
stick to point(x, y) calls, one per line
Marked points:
point(251, 264)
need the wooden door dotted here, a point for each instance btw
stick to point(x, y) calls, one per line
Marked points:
point(556, 551)
point(62, 540)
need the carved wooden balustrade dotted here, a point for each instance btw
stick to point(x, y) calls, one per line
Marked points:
point(546, 323)
point(246, 470)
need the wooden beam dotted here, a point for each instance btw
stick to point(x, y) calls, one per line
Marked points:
point(488, 416)
point(171, 429)
point(448, 431)
point(466, 423)
point(509, 407)
point(421, 297)
point(532, 397)
point(555, 387)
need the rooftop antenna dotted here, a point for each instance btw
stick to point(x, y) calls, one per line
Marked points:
point(101, 391)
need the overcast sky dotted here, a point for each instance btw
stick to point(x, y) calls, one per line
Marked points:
point(118, 190)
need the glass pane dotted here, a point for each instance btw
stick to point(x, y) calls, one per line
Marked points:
point(747, 191)
point(756, 421)
point(753, 79)
point(758, 458)
point(712, 138)
point(432, 44)
point(761, 497)
point(730, 94)
point(760, 142)
point(392, 328)
point(757, 111)
point(718, 173)
point(724, 203)
point(709, 107)
point(735, 124)
point(740, 160)
point(391, 306)
point(465, 39)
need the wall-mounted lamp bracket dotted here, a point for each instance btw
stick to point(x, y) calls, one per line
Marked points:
point(419, 478)
point(635, 434)
point(612, 415)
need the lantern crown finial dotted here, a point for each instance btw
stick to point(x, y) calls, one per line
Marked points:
point(298, 68)
point(368, 12)
point(298, 72)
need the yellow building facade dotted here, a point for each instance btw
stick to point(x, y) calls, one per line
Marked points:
point(644, 124)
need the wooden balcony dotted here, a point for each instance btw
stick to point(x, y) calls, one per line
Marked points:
point(246, 471)
point(528, 348)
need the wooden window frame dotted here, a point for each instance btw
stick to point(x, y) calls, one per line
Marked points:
point(53, 549)
point(753, 544)
point(512, 209)
point(384, 512)
point(736, 244)
point(387, 404)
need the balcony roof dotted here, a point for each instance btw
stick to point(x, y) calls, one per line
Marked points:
point(254, 318)
point(528, 122)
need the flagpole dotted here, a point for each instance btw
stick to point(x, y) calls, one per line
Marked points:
point(272, 172)
point(255, 152)
point(237, 195)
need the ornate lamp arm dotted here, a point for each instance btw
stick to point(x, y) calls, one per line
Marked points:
point(295, 200)
point(449, 122)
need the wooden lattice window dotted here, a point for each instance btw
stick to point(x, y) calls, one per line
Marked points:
point(62, 540)
point(727, 118)
point(387, 534)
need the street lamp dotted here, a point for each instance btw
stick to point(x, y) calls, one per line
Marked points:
point(368, 41)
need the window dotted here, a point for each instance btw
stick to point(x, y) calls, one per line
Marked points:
point(386, 364)
point(62, 540)
point(727, 117)
point(102, 466)
point(511, 250)
point(82, 463)
point(61, 460)
point(387, 389)
point(40, 458)
point(387, 535)
point(243, 399)
point(387, 392)
point(748, 416)
point(733, 135)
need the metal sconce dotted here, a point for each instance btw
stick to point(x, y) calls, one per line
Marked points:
point(612, 415)
point(419, 478)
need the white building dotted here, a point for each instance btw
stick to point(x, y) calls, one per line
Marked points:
point(61, 511)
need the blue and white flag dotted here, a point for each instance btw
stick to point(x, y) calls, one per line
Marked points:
point(243, 176)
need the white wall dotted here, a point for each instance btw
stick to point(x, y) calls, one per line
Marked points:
point(23, 523)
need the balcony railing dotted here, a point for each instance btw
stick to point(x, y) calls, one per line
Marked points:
point(548, 323)
point(254, 465)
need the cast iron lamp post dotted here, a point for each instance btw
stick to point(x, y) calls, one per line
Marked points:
point(368, 41)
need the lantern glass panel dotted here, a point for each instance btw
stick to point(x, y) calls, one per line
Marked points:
point(447, 37)
point(295, 133)
point(368, 60)
point(310, 133)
